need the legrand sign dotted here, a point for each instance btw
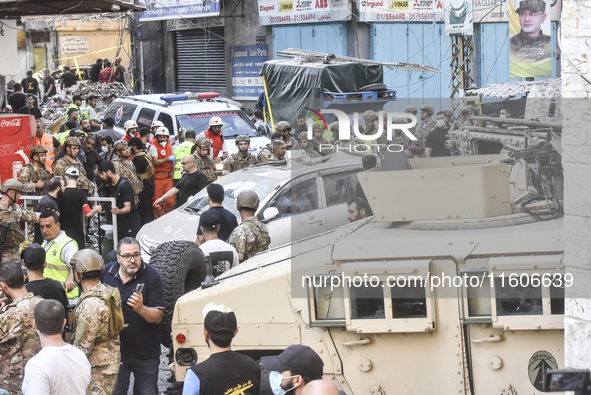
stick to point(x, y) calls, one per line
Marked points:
point(400, 10)
point(303, 11)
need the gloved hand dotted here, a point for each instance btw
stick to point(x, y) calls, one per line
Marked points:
point(171, 158)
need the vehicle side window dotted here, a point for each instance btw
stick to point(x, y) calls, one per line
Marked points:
point(167, 121)
point(127, 111)
point(145, 117)
point(298, 198)
point(339, 188)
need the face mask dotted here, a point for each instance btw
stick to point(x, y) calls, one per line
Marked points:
point(440, 123)
point(275, 379)
point(105, 148)
point(163, 143)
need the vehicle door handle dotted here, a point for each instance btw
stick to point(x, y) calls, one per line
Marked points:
point(313, 221)
point(360, 342)
point(497, 337)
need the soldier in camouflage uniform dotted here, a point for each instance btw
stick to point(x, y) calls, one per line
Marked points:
point(426, 126)
point(279, 148)
point(267, 151)
point(242, 158)
point(18, 339)
point(371, 128)
point(91, 323)
point(126, 169)
point(11, 216)
point(72, 147)
point(203, 160)
point(284, 128)
point(251, 236)
point(307, 146)
point(411, 110)
point(35, 174)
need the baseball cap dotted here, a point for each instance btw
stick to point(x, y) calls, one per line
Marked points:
point(34, 255)
point(299, 359)
point(209, 220)
point(219, 319)
point(72, 171)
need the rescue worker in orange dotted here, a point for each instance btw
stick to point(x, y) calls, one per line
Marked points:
point(215, 135)
point(45, 139)
point(163, 160)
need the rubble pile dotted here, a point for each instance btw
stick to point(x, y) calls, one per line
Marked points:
point(56, 107)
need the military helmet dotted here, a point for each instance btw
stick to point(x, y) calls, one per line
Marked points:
point(281, 126)
point(370, 115)
point(203, 142)
point(242, 137)
point(120, 145)
point(162, 131)
point(468, 108)
point(247, 199)
point(216, 121)
point(72, 141)
point(428, 109)
point(303, 135)
point(87, 260)
point(129, 125)
point(38, 149)
point(410, 110)
point(12, 183)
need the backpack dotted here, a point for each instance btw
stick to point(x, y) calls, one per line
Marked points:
point(150, 169)
point(112, 298)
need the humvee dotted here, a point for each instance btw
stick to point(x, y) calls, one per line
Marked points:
point(455, 285)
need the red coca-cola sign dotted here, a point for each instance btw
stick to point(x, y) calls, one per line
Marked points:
point(16, 134)
point(11, 125)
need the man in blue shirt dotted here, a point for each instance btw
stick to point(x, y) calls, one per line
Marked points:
point(142, 297)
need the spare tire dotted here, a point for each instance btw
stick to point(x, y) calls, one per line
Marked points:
point(180, 263)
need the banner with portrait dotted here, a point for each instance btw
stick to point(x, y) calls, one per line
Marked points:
point(458, 17)
point(530, 42)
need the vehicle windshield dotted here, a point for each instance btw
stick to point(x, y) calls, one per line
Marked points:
point(235, 122)
point(232, 188)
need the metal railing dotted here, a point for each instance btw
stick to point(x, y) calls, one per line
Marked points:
point(28, 198)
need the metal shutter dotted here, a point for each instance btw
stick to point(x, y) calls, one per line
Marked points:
point(201, 60)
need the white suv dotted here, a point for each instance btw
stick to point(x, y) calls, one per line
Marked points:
point(186, 111)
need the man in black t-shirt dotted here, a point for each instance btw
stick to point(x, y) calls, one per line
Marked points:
point(225, 371)
point(72, 204)
point(34, 259)
point(18, 99)
point(30, 84)
point(128, 217)
point(435, 143)
point(228, 220)
point(49, 88)
point(144, 168)
point(56, 186)
point(68, 79)
point(190, 183)
point(31, 107)
point(91, 157)
point(95, 70)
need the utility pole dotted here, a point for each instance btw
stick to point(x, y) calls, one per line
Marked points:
point(461, 67)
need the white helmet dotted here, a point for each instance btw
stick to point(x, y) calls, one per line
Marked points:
point(157, 124)
point(129, 125)
point(162, 131)
point(216, 121)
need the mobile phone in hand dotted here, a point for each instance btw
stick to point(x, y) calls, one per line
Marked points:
point(139, 288)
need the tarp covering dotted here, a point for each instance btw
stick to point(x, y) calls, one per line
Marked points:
point(292, 85)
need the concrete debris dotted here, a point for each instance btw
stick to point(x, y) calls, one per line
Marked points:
point(56, 107)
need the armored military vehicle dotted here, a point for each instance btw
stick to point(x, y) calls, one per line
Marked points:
point(455, 285)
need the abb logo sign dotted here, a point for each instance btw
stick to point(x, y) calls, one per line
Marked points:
point(321, 3)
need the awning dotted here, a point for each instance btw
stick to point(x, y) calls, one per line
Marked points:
point(20, 8)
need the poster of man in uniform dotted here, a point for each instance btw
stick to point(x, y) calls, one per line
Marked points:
point(458, 17)
point(530, 42)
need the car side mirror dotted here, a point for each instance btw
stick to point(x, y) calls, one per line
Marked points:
point(270, 213)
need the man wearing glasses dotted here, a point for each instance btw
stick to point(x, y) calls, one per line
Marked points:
point(142, 298)
point(531, 48)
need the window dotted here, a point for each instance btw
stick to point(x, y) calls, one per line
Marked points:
point(326, 301)
point(145, 117)
point(340, 188)
point(298, 198)
point(167, 121)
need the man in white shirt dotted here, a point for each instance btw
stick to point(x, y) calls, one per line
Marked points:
point(222, 255)
point(59, 368)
